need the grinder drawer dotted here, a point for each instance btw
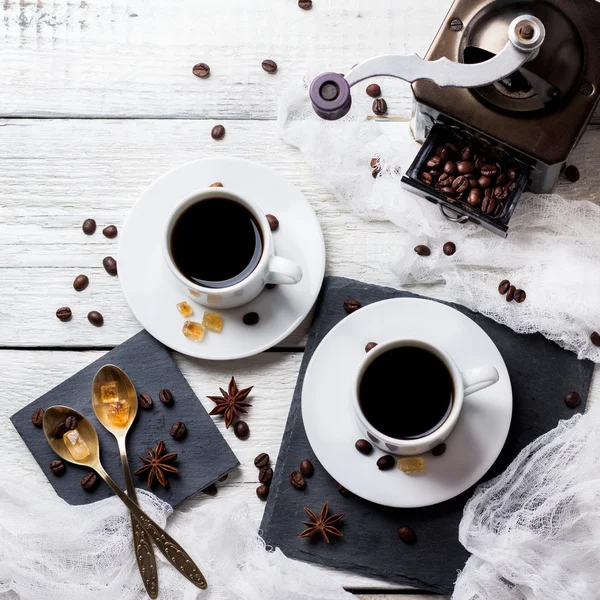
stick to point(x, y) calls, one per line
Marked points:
point(499, 175)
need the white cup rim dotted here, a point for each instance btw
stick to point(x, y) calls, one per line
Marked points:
point(445, 428)
point(205, 194)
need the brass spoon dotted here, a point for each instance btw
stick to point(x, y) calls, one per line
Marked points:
point(174, 553)
point(144, 553)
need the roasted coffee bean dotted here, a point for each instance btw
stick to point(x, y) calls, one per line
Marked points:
point(64, 313)
point(297, 480)
point(262, 460)
point(446, 179)
point(265, 475)
point(373, 90)
point(211, 490)
point(434, 162)
point(502, 179)
point(422, 250)
point(501, 192)
point(216, 184)
point(447, 190)
point(489, 202)
point(595, 338)
point(351, 305)
point(110, 232)
point(484, 181)
point(145, 400)
point(572, 173)
point(306, 468)
point(520, 296)
point(71, 422)
point(241, 430)
point(224, 478)
point(262, 491)
point(376, 172)
point(379, 107)
point(438, 150)
point(445, 154)
point(460, 184)
point(178, 430)
point(250, 318)
point(80, 283)
point(510, 294)
point(270, 66)
point(57, 466)
point(435, 174)
point(273, 222)
point(425, 177)
point(450, 168)
point(110, 265)
point(386, 462)
point(439, 449)
point(572, 399)
point(364, 446)
point(374, 162)
point(217, 132)
point(449, 248)
point(474, 197)
point(166, 397)
point(513, 174)
point(472, 181)
point(480, 161)
point(465, 167)
point(89, 227)
point(305, 4)
point(95, 318)
point(407, 534)
point(201, 70)
point(37, 418)
point(489, 170)
point(467, 153)
point(370, 346)
point(60, 430)
point(343, 491)
point(504, 286)
point(89, 481)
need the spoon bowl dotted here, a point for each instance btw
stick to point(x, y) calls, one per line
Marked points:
point(111, 378)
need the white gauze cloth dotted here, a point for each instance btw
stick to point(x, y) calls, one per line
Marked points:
point(552, 251)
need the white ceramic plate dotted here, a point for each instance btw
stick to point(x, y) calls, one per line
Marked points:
point(151, 290)
point(332, 428)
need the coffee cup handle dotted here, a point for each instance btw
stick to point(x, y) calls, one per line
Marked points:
point(283, 271)
point(479, 378)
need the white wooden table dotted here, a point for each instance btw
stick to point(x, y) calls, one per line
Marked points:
point(97, 99)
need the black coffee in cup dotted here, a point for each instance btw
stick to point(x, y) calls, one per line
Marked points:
point(406, 393)
point(216, 243)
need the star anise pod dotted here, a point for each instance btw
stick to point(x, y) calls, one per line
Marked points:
point(322, 524)
point(231, 403)
point(156, 464)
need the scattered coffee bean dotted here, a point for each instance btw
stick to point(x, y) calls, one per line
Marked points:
point(439, 449)
point(71, 422)
point(64, 313)
point(273, 222)
point(95, 318)
point(489, 202)
point(178, 430)
point(450, 168)
point(407, 534)
point(520, 296)
point(60, 430)
point(201, 70)
point(89, 481)
point(460, 184)
point(110, 265)
point(501, 193)
point(80, 283)
point(211, 490)
point(145, 400)
point(449, 248)
point(251, 318)
point(370, 346)
point(351, 305)
point(465, 167)
point(306, 468)
point(262, 460)
point(376, 172)
point(270, 66)
point(224, 478)
point(57, 466)
point(425, 177)
point(297, 480)
point(110, 232)
point(216, 184)
point(374, 162)
point(595, 338)
point(89, 227)
point(265, 475)
point(343, 491)
point(489, 170)
point(373, 90)
point(386, 462)
point(433, 162)
point(364, 446)
point(271, 286)
point(510, 294)
point(474, 197)
point(166, 397)
point(379, 107)
point(218, 132)
point(572, 399)
point(262, 491)
point(572, 173)
point(241, 430)
point(484, 182)
point(504, 286)
point(422, 250)
point(37, 418)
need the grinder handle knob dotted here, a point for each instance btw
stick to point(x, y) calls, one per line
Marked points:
point(330, 96)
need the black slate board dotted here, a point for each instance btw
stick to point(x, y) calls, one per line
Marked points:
point(541, 373)
point(203, 455)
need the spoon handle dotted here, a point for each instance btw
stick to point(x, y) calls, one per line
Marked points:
point(174, 553)
point(142, 545)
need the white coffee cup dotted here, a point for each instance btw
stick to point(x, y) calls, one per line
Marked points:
point(270, 268)
point(465, 383)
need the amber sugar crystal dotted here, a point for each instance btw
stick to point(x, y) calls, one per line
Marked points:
point(212, 321)
point(415, 464)
point(118, 412)
point(193, 331)
point(185, 309)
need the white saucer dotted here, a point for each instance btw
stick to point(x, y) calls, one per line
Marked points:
point(151, 290)
point(332, 428)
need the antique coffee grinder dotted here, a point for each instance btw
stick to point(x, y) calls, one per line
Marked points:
point(513, 82)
